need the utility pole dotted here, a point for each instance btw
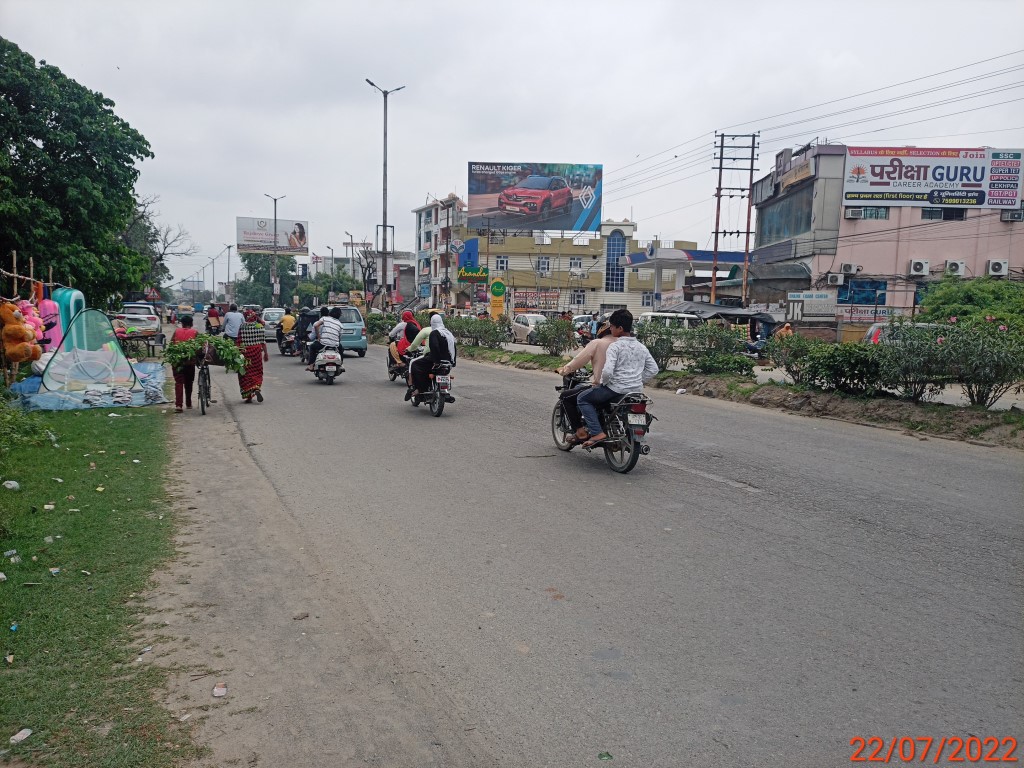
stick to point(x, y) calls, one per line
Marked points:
point(722, 159)
point(351, 255)
point(384, 234)
point(275, 286)
point(750, 205)
point(227, 283)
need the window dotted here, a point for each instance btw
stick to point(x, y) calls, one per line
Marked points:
point(870, 292)
point(614, 275)
point(578, 298)
point(501, 264)
point(543, 263)
point(647, 299)
point(428, 216)
point(576, 262)
point(787, 217)
point(943, 214)
point(875, 213)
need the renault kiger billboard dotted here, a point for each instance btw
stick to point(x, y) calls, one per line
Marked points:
point(552, 196)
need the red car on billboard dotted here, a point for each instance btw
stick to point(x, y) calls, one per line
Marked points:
point(537, 195)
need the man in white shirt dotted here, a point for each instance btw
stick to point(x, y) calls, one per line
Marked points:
point(328, 332)
point(233, 322)
point(594, 353)
point(628, 364)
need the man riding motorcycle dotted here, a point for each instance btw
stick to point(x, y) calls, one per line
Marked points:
point(285, 325)
point(404, 332)
point(593, 354)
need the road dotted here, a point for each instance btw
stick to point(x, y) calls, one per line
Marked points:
point(763, 588)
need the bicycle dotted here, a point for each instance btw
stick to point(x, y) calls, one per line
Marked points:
point(203, 384)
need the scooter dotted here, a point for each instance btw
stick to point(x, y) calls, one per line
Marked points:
point(328, 365)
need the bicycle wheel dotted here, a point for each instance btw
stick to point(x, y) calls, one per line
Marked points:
point(204, 389)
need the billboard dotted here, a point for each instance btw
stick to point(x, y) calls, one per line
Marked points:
point(532, 301)
point(553, 196)
point(932, 177)
point(192, 285)
point(257, 236)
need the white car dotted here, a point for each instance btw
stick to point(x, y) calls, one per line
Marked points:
point(524, 328)
point(144, 318)
point(270, 318)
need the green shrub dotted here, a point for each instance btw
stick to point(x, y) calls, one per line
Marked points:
point(661, 340)
point(556, 336)
point(851, 367)
point(722, 362)
point(476, 332)
point(377, 326)
point(712, 348)
point(912, 362)
point(793, 355)
point(985, 357)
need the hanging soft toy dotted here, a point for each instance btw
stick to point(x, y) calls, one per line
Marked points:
point(18, 337)
point(32, 319)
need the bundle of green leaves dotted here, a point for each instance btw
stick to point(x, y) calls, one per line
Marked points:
point(179, 353)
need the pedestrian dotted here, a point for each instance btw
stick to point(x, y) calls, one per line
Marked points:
point(253, 342)
point(233, 321)
point(784, 331)
point(184, 374)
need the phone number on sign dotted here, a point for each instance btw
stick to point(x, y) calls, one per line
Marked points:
point(952, 749)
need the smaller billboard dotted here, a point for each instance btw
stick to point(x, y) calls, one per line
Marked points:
point(552, 196)
point(192, 285)
point(257, 236)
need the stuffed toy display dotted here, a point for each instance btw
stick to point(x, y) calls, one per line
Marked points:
point(18, 337)
point(32, 319)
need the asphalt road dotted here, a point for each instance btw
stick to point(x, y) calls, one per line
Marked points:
point(762, 589)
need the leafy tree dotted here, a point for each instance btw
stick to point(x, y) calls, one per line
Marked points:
point(68, 166)
point(978, 299)
point(157, 243)
point(256, 288)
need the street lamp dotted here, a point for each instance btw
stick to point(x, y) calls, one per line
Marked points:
point(351, 255)
point(275, 287)
point(384, 238)
point(333, 266)
point(227, 283)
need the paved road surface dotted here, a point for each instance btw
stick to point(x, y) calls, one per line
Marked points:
point(761, 589)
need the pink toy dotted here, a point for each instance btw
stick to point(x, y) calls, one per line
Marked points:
point(32, 319)
point(50, 312)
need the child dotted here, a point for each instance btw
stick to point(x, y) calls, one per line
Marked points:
point(185, 374)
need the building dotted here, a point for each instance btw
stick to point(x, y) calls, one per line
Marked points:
point(871, 227)
point(581, 272)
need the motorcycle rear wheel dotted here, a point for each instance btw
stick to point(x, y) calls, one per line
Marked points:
point(622, 455)
point(437, 404)
point(558, 428)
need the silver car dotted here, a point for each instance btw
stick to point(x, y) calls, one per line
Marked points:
point(524, 328)
point(271, 317)
point(144, 318)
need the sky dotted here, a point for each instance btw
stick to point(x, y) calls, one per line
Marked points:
point(242, 99)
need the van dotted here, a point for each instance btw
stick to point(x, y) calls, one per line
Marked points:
point(669, 319)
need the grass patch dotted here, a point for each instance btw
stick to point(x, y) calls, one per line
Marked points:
point(514, 359)
point(74, 679)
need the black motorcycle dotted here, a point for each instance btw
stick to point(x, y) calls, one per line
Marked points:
point(440, 390)
point(626, 421)
point(286, 344)
point(399, 369)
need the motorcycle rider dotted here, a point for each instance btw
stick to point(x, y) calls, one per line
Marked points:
point(594, 354)
point(405, 331)
point(440, 348)
point(285, 325)
point(628, 364)
point(315, 342)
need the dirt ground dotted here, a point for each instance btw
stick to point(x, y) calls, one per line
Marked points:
point(310, 679)
point(930, 421)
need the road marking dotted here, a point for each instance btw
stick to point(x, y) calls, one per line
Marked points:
point(708, 476)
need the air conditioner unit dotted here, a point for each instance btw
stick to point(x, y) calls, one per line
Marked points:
point(918, 267)
point(543, 274)
point(1012, 215)
point(835, 279)
point(998, 267)
point(958, 268)
point(848, 269)
point(854, 213)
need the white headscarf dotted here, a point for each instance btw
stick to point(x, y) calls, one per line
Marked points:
point(437, 324)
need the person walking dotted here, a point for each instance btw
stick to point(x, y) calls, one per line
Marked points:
point(184, 374)
point(253, 342)
point(233, 321)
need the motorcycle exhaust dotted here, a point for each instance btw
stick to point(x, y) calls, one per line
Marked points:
point(644, 449)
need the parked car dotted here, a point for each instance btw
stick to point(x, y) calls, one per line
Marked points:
point(883, 333)
point(353, 330)
point(270, 318)
point(537, 195)
point(143, 317)
point(524, 328)
point(669, 319)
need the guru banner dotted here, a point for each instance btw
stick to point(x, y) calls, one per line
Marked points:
point(932, 177)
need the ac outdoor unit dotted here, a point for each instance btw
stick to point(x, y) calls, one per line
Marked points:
point(918, 267)
point(835, 279)
point(543, 274)
point(848, 269)
point(958, 268)
point(1012, 215)
point(998, 267)
point(854, 213)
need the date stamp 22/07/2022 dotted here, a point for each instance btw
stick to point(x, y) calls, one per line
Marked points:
point(947, 749)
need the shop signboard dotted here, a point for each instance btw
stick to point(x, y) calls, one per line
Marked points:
point(928, 177)
point(531, 301)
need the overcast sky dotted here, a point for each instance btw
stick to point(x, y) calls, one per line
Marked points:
point(241, 99)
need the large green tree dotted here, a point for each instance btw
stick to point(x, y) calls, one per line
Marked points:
point(67, 176)
point(978, 299)
point(255, 289)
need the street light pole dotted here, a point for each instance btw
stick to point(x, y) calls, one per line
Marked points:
point(384, 235)
point(227, 283)
point(275, 288)
point(334, 267)
point(351, 255)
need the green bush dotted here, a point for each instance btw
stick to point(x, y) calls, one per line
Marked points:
point(793, 355)
point(377, 326)
point(661, 340)
point(556, 336)
point(851, 367)
point(713, 348)
point(722, 362)
point(476, 332)
point(983, 298)
point(986, 357)
point(912, 362)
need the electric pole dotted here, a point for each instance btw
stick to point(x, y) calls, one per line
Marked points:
point(722, 159)
point(275, 288)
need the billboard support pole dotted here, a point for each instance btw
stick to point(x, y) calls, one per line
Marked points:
point(274, 290)
point(227, 284)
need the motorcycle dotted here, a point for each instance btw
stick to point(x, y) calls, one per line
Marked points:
point(440, 390)
point(395, 369)
point(626, 421)
point(214, 328)
point(286, 344)
point(328, 365)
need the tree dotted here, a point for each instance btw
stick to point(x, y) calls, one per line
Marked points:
point(256, 288)
point(67, 173)
point(978, 299)
point(157, 243)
